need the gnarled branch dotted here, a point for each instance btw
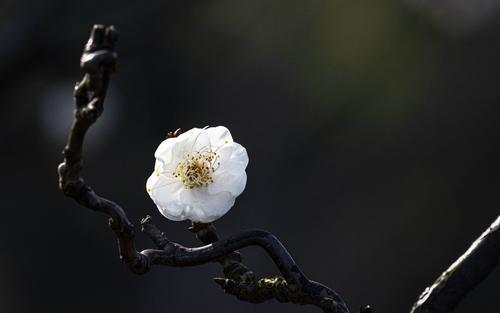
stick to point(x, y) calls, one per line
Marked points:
point(99, 61)
point(89, 97)
point(463, 275)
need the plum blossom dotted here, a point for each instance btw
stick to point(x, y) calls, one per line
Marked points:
point(198, 175)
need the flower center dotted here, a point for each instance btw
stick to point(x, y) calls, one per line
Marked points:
point(196, 169)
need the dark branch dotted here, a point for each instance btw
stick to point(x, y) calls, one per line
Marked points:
point(242, 283)
point(463, 275)
point(232, 264)
point(99, 62)
point(294, 287)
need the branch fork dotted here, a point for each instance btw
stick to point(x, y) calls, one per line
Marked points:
point(99, 61)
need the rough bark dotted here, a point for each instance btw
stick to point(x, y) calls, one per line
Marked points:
point(463, 275)
point(99, 61)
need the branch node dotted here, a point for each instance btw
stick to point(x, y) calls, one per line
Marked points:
point(99, 61)
point(140, 265)
point(154, 233)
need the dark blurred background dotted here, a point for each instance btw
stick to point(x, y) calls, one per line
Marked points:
point(372, 129)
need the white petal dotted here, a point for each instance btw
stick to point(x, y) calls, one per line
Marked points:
point(219, 136)
point(165, 193)
point(226, 181)
point(205, 207)
point(165, 145)
point(194, 140)
point(170, 152)
point(164, 168)
point(233, 158)
point(174, 211)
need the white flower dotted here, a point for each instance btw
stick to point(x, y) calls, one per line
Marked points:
point(198, 175)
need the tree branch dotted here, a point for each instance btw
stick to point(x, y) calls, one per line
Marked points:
point(463, 275)
point(99, 61)
point(232, 264)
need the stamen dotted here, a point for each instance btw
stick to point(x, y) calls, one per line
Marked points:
point(196, 169)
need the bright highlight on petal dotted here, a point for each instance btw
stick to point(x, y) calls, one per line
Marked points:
point(198, 175)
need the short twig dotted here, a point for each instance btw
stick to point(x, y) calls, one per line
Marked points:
point(99, 61)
